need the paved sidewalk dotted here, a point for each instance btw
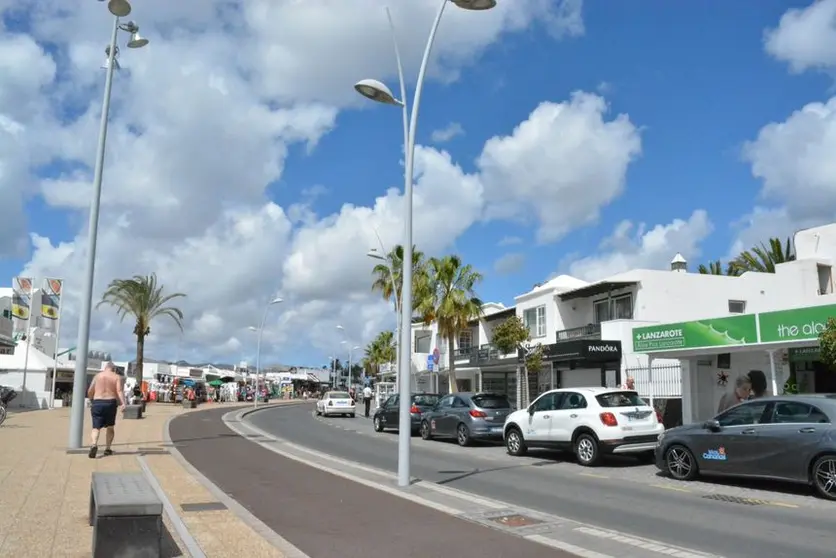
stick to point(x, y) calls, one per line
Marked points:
point(44, 491)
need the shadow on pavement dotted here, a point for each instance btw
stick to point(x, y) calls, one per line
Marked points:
point(779, 487)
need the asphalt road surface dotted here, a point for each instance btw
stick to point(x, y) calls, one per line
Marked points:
point(718, 518)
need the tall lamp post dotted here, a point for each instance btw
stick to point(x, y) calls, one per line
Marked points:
point(377, 91)
point(119, 9)
point(350, 351)
point(373, 254)
point(260, 330)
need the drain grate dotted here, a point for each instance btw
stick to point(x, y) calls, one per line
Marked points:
point(735, 499)
point(202, 507)
point(515, 520)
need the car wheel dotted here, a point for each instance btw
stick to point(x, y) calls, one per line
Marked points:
point(378, 425)
point(586, 450)
point(318, 412)
point(680, 463)
point(824, 476)
point(426, 433)
point(515, 443)
point(463, 435)
point(352, 415)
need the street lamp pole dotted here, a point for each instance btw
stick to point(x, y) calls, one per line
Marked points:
point(119, 9)
point(377, 91)
point(260, 330)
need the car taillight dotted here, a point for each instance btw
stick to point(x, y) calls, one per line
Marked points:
point(608, 419)
point(415, 410)
point(330, 403)
point(659, 417)
point(478, 414)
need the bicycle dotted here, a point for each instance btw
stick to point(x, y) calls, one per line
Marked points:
point(6, 395)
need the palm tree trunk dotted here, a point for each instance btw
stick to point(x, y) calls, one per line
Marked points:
point(140, 356)
point(451, 369)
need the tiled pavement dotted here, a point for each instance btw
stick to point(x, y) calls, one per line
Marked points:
point(44, 491)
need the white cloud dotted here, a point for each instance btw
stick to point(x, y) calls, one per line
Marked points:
point(443, 135)
point(637, 247)
point(509, 241)
point(202, 123)
point(562, 165)
point(805, 38)
point(509, 263)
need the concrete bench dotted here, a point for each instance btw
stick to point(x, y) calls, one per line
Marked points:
point(132, 412)
point(189, 404)
point(126, 516)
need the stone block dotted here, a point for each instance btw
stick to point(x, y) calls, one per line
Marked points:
point(132, 412)
point(126, 516)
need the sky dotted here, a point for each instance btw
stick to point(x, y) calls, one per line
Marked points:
point(555, 136)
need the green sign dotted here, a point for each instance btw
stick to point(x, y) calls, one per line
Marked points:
point(799, 324)
point(716, 332)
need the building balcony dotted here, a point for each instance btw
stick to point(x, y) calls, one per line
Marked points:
point(590, 331)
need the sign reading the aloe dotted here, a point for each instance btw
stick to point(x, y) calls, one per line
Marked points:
point(715, 332)
point(800, 324)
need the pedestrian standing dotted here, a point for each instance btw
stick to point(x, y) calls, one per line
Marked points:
point(367, 400)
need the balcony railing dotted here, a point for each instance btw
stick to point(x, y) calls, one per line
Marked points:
point(460, 354)
point(590, 331)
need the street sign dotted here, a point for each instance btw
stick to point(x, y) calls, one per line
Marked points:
point(436, 355)
point(430, 362)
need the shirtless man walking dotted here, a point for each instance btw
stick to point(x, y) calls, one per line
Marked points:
point(107, 396)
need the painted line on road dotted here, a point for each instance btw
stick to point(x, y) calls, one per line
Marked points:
point(780, 504)
point(674, 488)
point(593, 475)
point(566, 547)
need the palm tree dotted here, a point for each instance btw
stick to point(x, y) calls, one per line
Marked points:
point(716, 268)
point(446, 296)
point(381, 350)
point(765, 257)
point(142, 298)
point(394, 260)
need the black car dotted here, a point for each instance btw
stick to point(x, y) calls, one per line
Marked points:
point(387, 415)
point(787, 438)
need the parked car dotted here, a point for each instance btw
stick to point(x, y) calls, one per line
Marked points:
point(788, 438)
point(467, 417)
point(591, 422)
point(387, 415)
point(335, 403)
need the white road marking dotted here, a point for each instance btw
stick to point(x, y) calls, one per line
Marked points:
point(642, 543)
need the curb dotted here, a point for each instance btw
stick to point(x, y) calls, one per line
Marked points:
point(265, 532)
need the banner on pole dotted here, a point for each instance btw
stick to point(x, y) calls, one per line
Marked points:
point(51, 299)
point(21, 305)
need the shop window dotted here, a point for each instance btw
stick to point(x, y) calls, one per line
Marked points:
point(825, 280)
point(737, 307)
point(535, 321)
point(616, 308)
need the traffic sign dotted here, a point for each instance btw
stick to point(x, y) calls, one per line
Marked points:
point(430, 362)
point(436, 355)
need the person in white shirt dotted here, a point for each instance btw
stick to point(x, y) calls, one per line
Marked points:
point(367, 399)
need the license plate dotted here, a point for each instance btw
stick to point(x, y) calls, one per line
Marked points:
point(496, 429)
point(341, 403)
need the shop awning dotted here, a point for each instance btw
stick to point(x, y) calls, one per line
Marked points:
point(595, 289)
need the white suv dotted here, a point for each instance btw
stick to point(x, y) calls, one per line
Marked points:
point(589, 421)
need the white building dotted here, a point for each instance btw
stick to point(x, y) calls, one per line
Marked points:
point(769, 336)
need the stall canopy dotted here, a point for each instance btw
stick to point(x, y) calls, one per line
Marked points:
point(766, 331)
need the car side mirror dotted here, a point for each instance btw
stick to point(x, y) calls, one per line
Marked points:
point(713, 425)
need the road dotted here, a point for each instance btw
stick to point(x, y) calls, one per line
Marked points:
point(718, 518)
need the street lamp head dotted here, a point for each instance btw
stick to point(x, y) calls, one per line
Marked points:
point(252, 328)
point(374, 254)
point(340, 327)
point(376, 91)
point(119, 8)
point(136, 41)
point(277, 300)
point(475, 5)
point(106, 64)
point(343, 342)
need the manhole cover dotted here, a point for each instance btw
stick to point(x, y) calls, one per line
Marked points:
point(515, 520)
point(734, 499)
point(202, 506)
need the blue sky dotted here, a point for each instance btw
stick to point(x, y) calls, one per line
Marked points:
point(694, 79)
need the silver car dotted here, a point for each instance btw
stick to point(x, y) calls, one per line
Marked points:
point(788, 438)
point(467, 417)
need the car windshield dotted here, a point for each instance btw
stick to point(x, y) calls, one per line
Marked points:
point(620, 399)
point(338, 395)
point(424, 400)
point(491, 401)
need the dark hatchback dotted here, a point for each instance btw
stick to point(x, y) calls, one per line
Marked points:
point(467, 417)
point(787, 438)
point(387, 415)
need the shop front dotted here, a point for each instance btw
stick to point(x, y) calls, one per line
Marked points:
point(575, 363)
point(730, 358)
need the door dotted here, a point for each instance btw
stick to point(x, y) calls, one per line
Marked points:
point(790, 439)
point(442, 417)
point(567, 415)
point(540, 418)
point(458, 414)
point(734, 450)
point(705, 380)
point(390, 410)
